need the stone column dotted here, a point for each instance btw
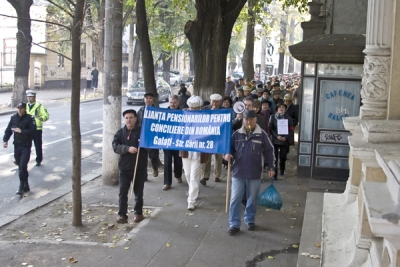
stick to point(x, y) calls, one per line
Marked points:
point(375, 82)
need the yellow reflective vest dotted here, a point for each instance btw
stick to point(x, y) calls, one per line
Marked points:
point(38, 111)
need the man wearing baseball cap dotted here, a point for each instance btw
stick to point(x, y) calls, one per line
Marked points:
point(39, 112)
point(250, 146)
point(22, 125)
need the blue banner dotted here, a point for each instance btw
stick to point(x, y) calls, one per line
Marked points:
point(207, 131)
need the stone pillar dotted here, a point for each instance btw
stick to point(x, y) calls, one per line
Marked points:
point(375, 82)
point(314, 26)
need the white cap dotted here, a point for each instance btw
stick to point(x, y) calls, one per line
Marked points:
point(215, 97)
point(30, 93)
point(246, 88)
point(194, 101)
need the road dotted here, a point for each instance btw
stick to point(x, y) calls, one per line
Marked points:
point(56, 169)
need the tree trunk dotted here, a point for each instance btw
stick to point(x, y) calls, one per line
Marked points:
point(248, 53)
point(130, 52)
point(76, 33)
point(112, 88)
point(99, 45)
point(291, 41)
point(24, 40)
point(263, 52)
point(191, 63)
point(282, 43)
point(135, 63)
point(209, 36)
point(166, 60)
point(144, 40)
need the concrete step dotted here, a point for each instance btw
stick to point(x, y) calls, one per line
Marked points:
point(311, 231)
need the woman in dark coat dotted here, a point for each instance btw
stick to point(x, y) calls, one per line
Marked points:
point(280, 137)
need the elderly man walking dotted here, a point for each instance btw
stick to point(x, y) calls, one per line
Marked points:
point(250, 145)
point(216, 103)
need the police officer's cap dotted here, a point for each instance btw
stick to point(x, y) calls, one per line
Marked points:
point(30, 93)
point(129, 111)
point(21, 105)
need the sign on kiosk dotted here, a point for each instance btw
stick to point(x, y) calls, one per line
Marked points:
point(208, 131)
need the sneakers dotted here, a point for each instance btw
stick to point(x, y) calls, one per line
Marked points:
point(138, 218)
point(122, 219)
point(155, 172)
point(233, 230)
point(179, 180)
point(251, 226)
point(166, 187)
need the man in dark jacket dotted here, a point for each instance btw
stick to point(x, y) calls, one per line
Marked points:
point(24, 128)
point(250, 145)
point(172, 154)
point(153, 153)
point(183, 97)
point(126, 144)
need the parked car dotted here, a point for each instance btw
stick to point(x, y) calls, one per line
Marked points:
point(189, 81)
point(174, 79)
point(136, 92)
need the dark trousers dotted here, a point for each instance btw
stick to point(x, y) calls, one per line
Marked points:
point(94, 82)
point(22, 155)
point(125, 179)
point(37, 140)
point(280, 156)
point(88, 84)
point(153, 155)
point(168, 155)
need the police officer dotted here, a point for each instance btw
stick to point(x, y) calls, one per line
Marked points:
point(39, 112)
point(24, 128)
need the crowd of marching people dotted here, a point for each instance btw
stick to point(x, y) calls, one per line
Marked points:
point(263, 120)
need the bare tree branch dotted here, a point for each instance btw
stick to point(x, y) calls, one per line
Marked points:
point(58, 53)
point(126, 16)
point(60, 7)
point(70, 2)
point(38, 20)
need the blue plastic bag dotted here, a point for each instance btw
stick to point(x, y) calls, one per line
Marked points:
point(270, 198)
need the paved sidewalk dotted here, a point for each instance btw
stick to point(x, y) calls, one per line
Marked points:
point(175, 237)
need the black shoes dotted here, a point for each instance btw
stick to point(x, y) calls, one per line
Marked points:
point(251, 226)
point(38, 164)
point(204, 181)
point(21, 188)
point(233, 230)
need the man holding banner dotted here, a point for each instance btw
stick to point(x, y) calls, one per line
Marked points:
point(126, 144)
point(195, 133)
point(250, 145)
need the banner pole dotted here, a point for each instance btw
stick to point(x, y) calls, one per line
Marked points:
point(228, 187)
point(134, 175)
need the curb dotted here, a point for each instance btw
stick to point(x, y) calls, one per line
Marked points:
point(46, 199)
point(12, 111)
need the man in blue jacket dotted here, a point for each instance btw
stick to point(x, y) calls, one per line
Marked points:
point(250, 145)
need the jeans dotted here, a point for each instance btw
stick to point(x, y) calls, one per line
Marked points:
point(193, 171)
point(239, 187)
point(37, 140)
point(125, 178)
point(88, 84)
point(168, 155)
